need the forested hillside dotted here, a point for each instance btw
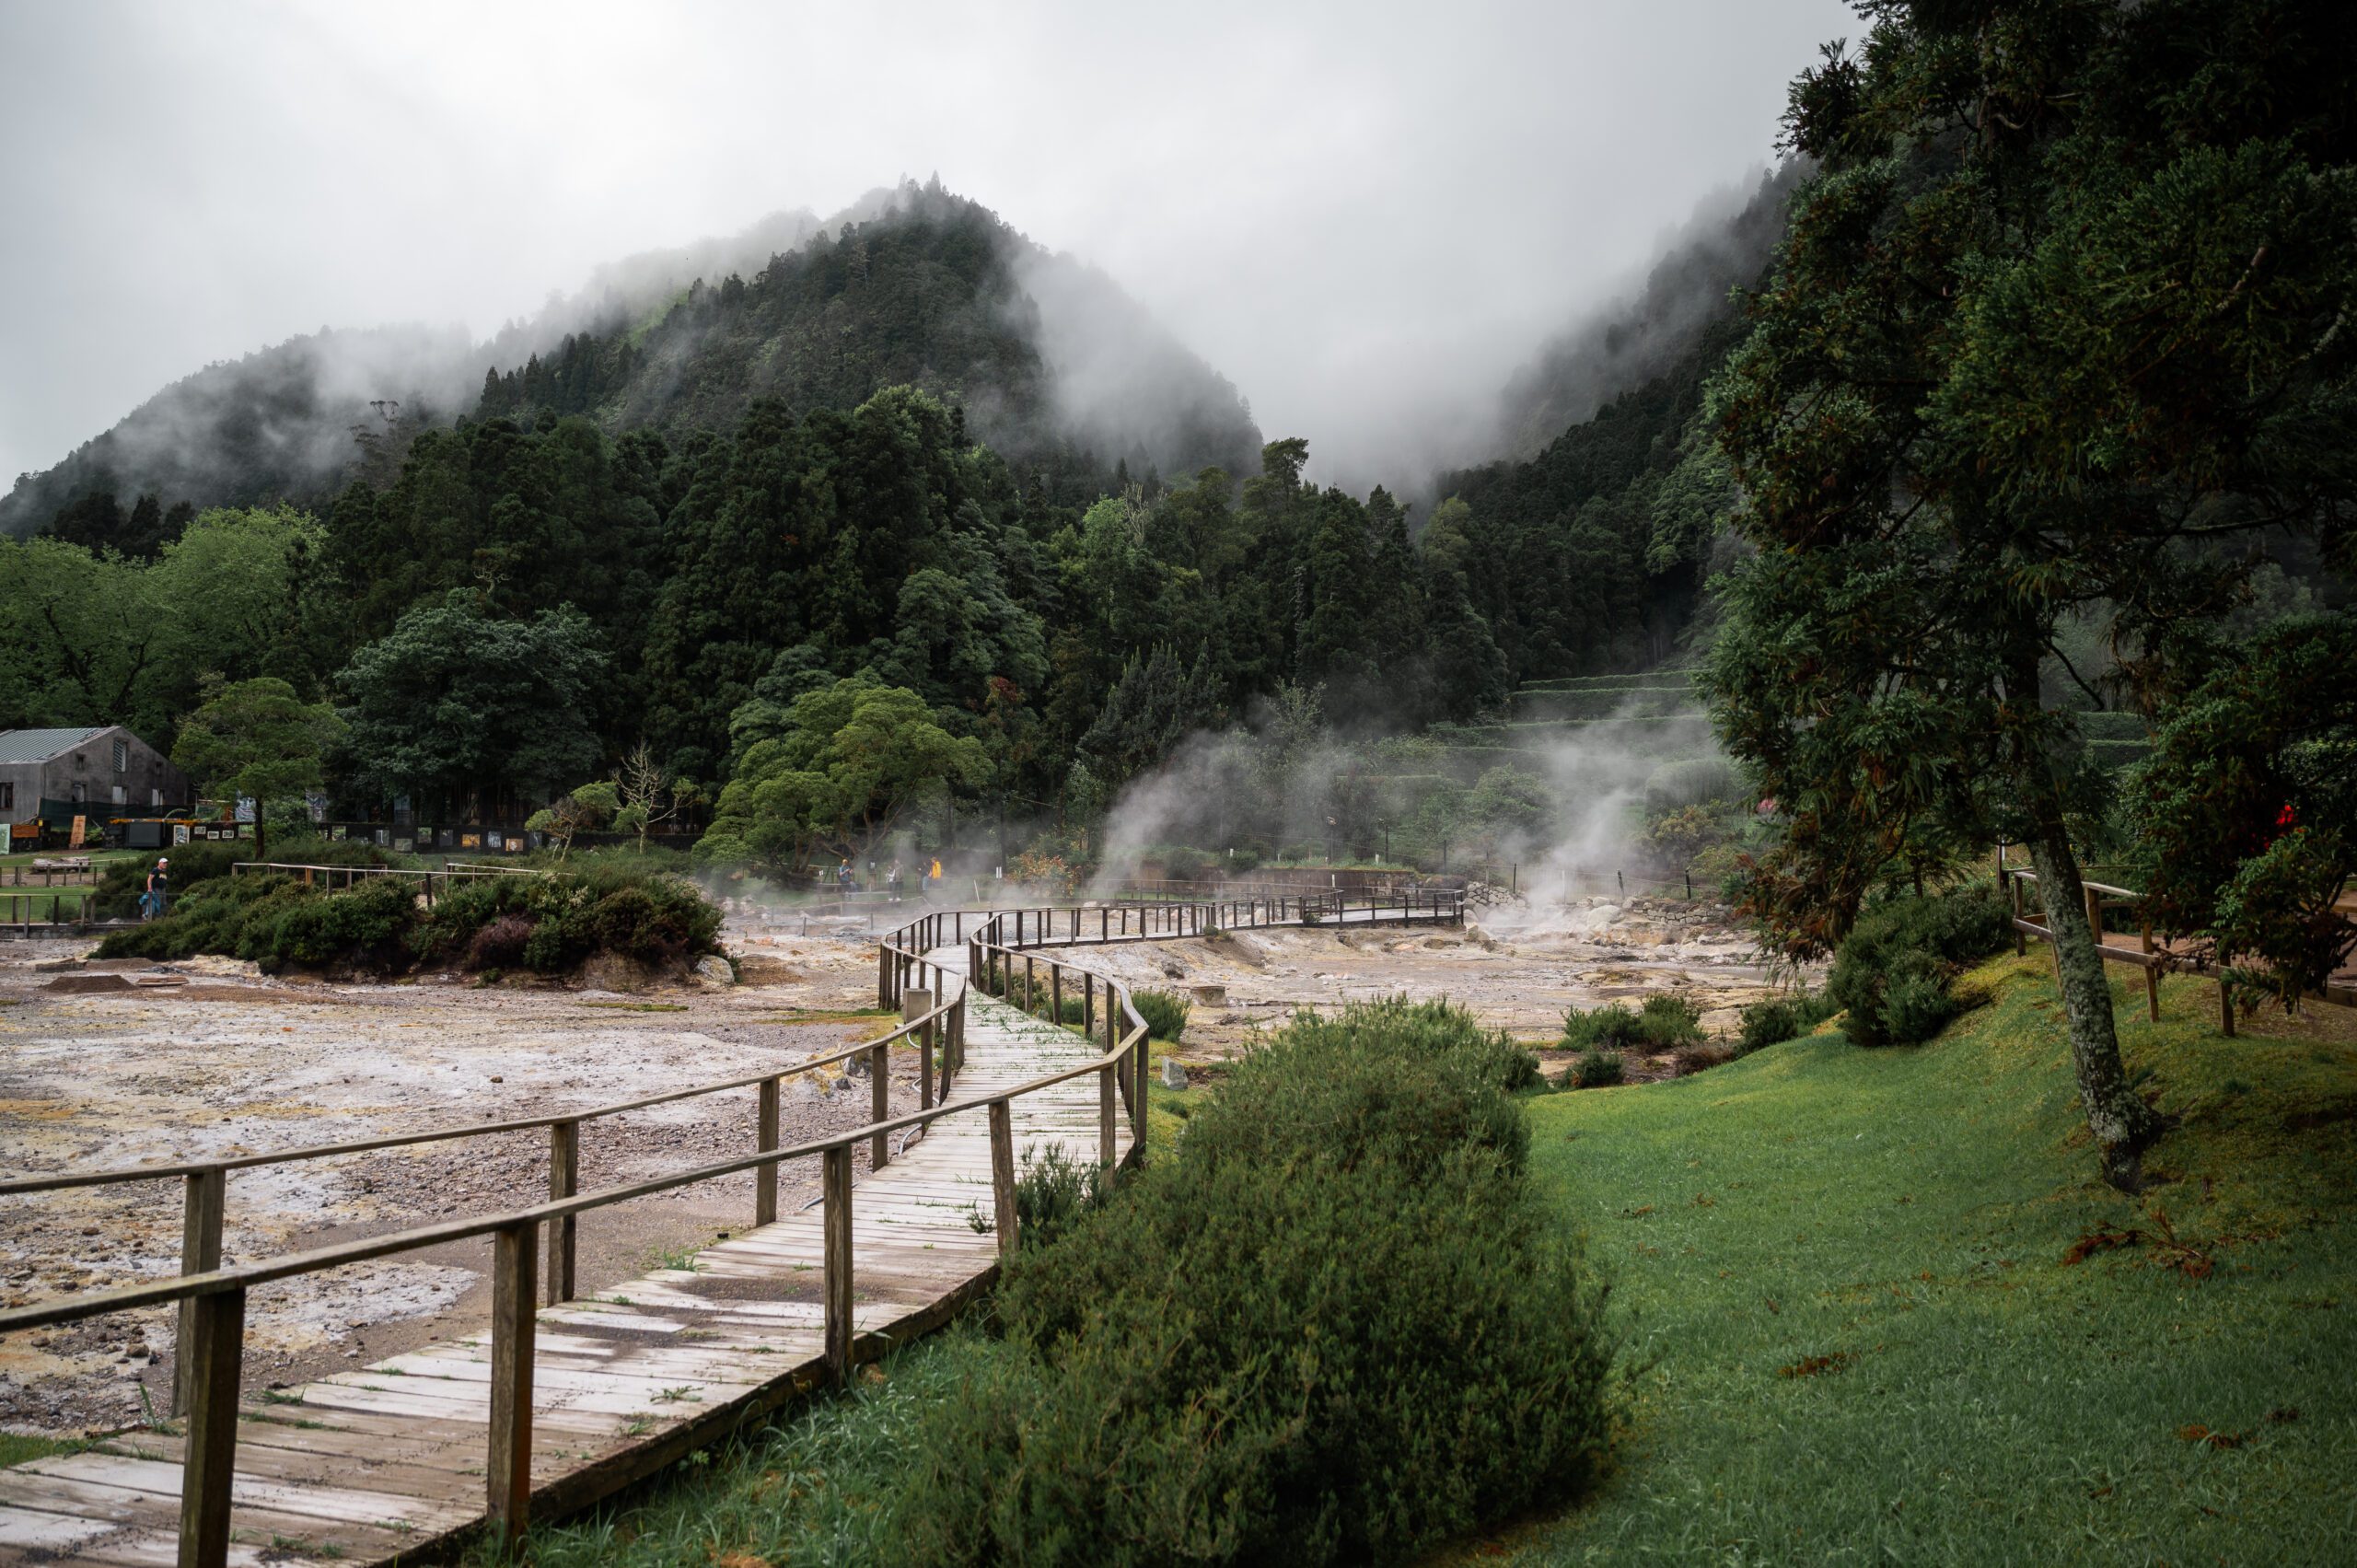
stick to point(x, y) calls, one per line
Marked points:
point(914, 480)
point(912, 286)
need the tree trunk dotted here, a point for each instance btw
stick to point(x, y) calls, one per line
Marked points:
point(2123, 1125)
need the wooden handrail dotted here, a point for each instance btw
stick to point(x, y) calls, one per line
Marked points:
point(211, 1297)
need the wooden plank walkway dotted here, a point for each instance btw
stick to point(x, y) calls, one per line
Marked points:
point(373, 1463)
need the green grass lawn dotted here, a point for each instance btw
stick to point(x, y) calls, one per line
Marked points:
point(1843, 1275)
point(1852, 1332)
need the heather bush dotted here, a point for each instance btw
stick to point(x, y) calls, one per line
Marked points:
point(1336, 1325)
point(1892, 974)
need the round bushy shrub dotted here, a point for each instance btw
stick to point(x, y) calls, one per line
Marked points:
point(1667, 1021)
point(1342, 1332)
point(1165, 1014)
point(1593, 1069)
point(1612, 1027)
point(1892, 972)
point(500, 943)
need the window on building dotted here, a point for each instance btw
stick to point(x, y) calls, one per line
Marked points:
point(77, 792)
point(7, 797)
point(119, 797)
point(122, 757)
point(154, 797)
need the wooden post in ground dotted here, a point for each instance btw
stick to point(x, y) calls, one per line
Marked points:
point(1138, 1062)
point(1056, 992)
point(1107, 1152)
point(1030, 985)
point(2225, 1004)
point(924, 1061)
point(1087, 1004)
point(211, 1352)
point(2021, 939)
point(879, 1102)
point(1002, 1216)
point(835, 1190)
point(205, 1195)
point(2152, 973)
point(564, 1180)
point(765, 1138)
point(508, 1468)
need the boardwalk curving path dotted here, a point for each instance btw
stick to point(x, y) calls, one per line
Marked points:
point(387, 1459)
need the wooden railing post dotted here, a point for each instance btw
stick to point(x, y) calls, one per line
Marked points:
point(2021, 937)
point(1087, 1004)
point(508, 1468)
point(764, 1139)
point(564, 1180)
point(2151, 973)
point(212, 1351)
point(879, 1104)
point(1030, 986)
point(1104, 922)
point(924, 1062)
point(883, 977)
point(1138, 1060)
point(1002, 1216)
point(1107, 1152)
point(835, 1193)
point(203, 1197)
point(1056, 992)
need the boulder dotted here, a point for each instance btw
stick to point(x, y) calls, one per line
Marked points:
point(1174, 1076)
point(1211, 995)
point(713, 969)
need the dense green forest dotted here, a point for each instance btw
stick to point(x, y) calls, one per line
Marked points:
point(851, 469)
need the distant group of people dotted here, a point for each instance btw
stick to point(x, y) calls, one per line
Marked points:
point(847, 881)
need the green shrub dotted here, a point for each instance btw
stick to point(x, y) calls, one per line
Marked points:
point(1592, 1069)
point(1779, 1018)
point(1221, 1365)
point(1612, 1027)
point(1165, 1014)
point(1892, 972)
point(1668, 1021)
point(549, 924)
point(1182, 865)
point(1053, 1192)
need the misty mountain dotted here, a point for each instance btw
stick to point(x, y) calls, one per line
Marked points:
point(909, 286)
point(1588, 543)
point(1724, 247)
point(1048, 357)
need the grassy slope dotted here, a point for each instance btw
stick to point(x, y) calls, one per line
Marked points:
point(1910, 1210)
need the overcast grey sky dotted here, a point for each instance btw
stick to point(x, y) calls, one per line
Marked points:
point(1363, 213)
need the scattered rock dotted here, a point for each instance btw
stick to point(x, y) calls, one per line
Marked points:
point(1174, 1076)
point(713, 969)
point(1211, 995)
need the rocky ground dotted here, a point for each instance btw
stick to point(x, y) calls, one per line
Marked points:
point(206, 1057)
point(110, 1066)
point(1516, 967)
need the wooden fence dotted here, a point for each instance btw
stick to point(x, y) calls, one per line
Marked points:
point(212, 1298)
point(2152, 958)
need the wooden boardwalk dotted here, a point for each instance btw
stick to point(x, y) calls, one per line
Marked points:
point(373, 1463)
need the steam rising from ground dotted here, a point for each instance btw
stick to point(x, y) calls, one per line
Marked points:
point(1568, 815)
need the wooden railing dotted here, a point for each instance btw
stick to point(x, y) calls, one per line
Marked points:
point(899, 957)
point(345, 878)
point(16, 908)
point(212, 1298)
point(2149, 956)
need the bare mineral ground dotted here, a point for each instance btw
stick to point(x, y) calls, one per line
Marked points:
point(219, 1059)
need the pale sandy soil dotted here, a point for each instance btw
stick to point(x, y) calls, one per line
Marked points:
point(232, 1061)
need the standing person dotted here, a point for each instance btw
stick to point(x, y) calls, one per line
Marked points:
point(158, 894)
point(934, 875)
point(842, 877)
point(892, 880)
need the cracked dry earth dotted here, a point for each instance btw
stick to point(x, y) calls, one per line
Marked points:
point(232, 1061)
point(227, 1061)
